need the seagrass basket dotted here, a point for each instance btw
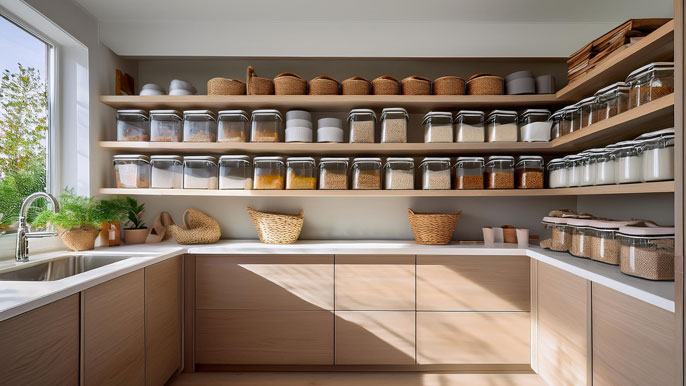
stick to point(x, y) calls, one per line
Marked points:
point(277, 228)
point(416, 85)
point(385, 85)
point(323, 85)
point(80, 239)
point(288, 83)
point(485, 84)
point(356, 85)
point(433, 228)
point(256, 85)
point(198, 228)
point(448, 85)
point(224, 86)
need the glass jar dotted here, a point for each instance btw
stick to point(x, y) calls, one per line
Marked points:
point(438, 127)
point(604, 167)
point(501, 126)
point(573, 170)
point(529, 172)
point(587, 112)
point(647, 252)
point(657, 157)
point(399, 173)
point(199, 172)
point(362, 125)
point(581, 237)
point(301, 173)
point(612, 100)
point(556, 124)
point(560, 234)
point(435, 173)
point(535, 125)
point(199, 126)
point(269, 173)
point(469, 126)
point(133, 125)
point(166, 172)
point(499, 172)
point(166, 126)
point(650, 82)
point(233, 126)
point(394, 125)
point(235, 172)
point(469, 173)
point(557, 174)
point(571, 119)
point(588, 169)
point(267, 126)
point(333, 173)
point(627, 162)
point(366, 173)
point(605, 245)
point(132, 171)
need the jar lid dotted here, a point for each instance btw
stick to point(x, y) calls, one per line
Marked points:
point(621, 86)
point(437, 114)
point(586, 101)
point(579, 222)
point(154, 158)
point(354, 112)
point(503, 113)
point(569, 108)
point(399, 159)
point(638, 231)
point(393, 110)
point(572, 157)
point(200, 113)
point(234, 158)
point(268, 158)
point(268, 112)
point(658, 133)
point(650, 67)
point(436, 159)
point(555, 220)
point(472, 113)
point(624, 145)
point(530, 158)
point(200, 158)
point(557, 114)
point(299, 159)
point(233, 113)
point(556, 161)
point(132, 157)
point(500, 158)
point(469, 159)
point(608, 224)
point(123, 113)
point(334, 159)
point(165, 113)
point(528, 112)
point(367, 159)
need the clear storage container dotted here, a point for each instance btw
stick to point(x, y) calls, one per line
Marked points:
point(587, 112)
point(269, 173)
point(499, 172)
point(529, 172)
point(560, 238)
point(200, 172)
point(333, 173)
point(366, 173)
point(469, 173)
point(573, 169)
point(133, 125)
point(571, 119)
point(657, 156)
point(556, 124)
point(501, 126)
point(399, 173)
point(435, 173)
point(132, 171)
point(301, 173)
point(235, 172)
point(605, 245)
point(167, 172)
point(612, 100)
point(628, 165)
point(199, 126)
point(535, 125)
point(557, 174)
point(438, 127)
point(588, 170)
point(604, 167)
point(581, 237)
point(362, 125)
point(469, 126)
point(267, 126)
point(394, 125)
point(650, 82)
point(233, 126)
point(166, 126)
point(647, 252)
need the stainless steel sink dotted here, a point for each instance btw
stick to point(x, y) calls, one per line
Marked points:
point(61, 268)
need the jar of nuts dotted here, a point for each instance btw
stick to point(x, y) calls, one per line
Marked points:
point(499, 171)
point(529, 172)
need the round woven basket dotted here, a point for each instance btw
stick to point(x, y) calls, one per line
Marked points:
point(356, 85)
point(198, 229)
point(323, 85)
point(485, 84)
point(288, 83)
point(276, 228)
point(416, 85)
point(433, 228)
point(256, 85)
point(385, 85)
point(80, 239)
point(449, 85)
point(224, 86)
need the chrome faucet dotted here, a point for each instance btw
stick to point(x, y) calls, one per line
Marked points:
point(23, 233)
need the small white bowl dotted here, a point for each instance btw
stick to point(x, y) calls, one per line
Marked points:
point(152, 86)
point(179, 91)
point(150, 92)
point(180, 84)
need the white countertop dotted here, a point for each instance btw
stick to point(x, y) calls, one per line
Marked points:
point(17, 297)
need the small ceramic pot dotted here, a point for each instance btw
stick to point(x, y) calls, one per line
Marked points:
point(135, 236)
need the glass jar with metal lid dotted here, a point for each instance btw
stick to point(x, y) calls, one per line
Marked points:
point(573, 169)
point(469, 126)
point(499, 171)
point(587, 112)
point(435, 173)
point(166, 172)
point(366, 173)
point(333, 173)
point(438, 127)
point(133, 125)
point(501, 126)
point(657, 155)
point(394, 125)
point(469, 173)
point(301, 173)
point(571, 119)
point(628, 166)
point(267, 126)
point(557, 174)
point(166, 126)
point(556, 124)
point(199, 126)
point(604, 167)
point(399, 173)
point(233, 126)
point(647, 251)
point(650, 82)
point(612, 100)
point(132, 171)
point(535, 125)
point(581, 237)
point(529, 171)
point(588, 169)
point(269, 173)
point(200, 172)
point(235, 172)
point(362, 124)
point(560, 234)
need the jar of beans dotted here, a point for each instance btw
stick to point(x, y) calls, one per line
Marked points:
point(587, 112)
point(529, 172)
point(366, 173)
point(469, 173)
point(362, 125)
point(612, 100)
point(650, 82)
point(436, 173)
point(394, 125)
point(399, 173)
point(438, 127)
point(499, 171)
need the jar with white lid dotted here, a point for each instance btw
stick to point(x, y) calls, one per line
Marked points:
point(394, 125)
point(267, 126)
point(235, 172)
point(233, 126)
point(362, 125)
point(399, 173)
point(529, 171)
point(650, 82)
point(469, 173)
point(612, 100)
point(333, 173)
point(133, 125)
point(657, 157)
point(501, 126)
point(560, 234)
point(269, 173)
point(166, 126)
point(469, 126)
point(301, 173)
point(499, 171)
point(199, 126)
point(132, 171)
point(556, 124)
point(604, 167)
point(200, 172)
point(366, 173)
point(647, 251)
point(535, 125)
point(557, 174)
point(587, 112)
point(573, 169)
point(605, 243)
point(167, 172)
point(628, 165)
point(435, 173)
point(581, 237)
point(438, 127)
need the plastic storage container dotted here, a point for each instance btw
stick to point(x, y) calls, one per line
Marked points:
point(469, 126)
point(399, 173)
point(557, 174)
point(235, 172)
point(612, 100)
point(269, 173)
point(362, 126)
point(571, 119)
point(333, 173)
point(438, 127)
point(647, 252)
point(604, 167)
point(469, 173)
point(301, 173)
point(535, 125)
point(573, 170)
point(132, 171)
point(233, 126)
point(166, 126)
point(394, 125)
point(199, 126)
point(657, 156)
point(267, 126)
point(366, 173)
point(200, 172)
point(628, 165)
point(330, 130)
point(605, 245)
point(166, 172)
point(436, 173)
point(588, 168)
point(133, 125)
point(587, 112)
point(529, 172)
point(501, 126)
point(560, 234)
point(499, 171)
point(581, 237)
point(556, 124)
point(299, 126)
point(650, 82)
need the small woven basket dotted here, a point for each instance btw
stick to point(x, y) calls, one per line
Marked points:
point(276, 228)
point(323, 85)
point(288, 83)
point(199, 229)
point(224, 86)
point(416, 85)
point(485, 84)
point(449, 85)
point(356, 85)
point(256, 85)
point(80, 239)
point(433, 228)
point(385, 85)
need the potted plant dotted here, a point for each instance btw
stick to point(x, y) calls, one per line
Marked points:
point(135, 232)
point(78, 221)
point(113, 212)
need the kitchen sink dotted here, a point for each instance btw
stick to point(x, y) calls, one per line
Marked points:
point(61, 268)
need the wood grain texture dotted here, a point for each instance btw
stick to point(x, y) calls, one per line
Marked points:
point(375, 337)
point(41, 347)
point(189, 313)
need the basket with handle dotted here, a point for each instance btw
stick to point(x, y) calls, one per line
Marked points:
point(277, 228)
point(224, 86)
point(288, 83)
point(256, 85)
point(433, 228)
point(198, 228)
point(416, 85)
point(448, 85)
point(385, 85)
point(485, 84)
point(323, 85)
point(356, 85)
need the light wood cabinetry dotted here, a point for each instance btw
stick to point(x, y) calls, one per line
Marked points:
point(375, 337)
point(41, 347)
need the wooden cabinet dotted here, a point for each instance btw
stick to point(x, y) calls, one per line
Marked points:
point(375, 337)
point(41, 347)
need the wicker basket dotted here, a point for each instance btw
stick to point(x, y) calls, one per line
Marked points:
point(288, 83)
point(433, 228)
point(385, 85)
point(276, 228)
point(256, 85)
point(223, 86)
point(416, 85)
point(356, 85)
point(199, 229)
point(80, 239)
point(485, 84)
point(323, 85)
point(449, 85)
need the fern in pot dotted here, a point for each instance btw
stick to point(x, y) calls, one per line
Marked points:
point(135, 231)
point(78, 221)
point(113, 212)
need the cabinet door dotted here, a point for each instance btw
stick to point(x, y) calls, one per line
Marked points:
point(41, 347)
point(375, 337)
point(114, 332)
point(162, 321)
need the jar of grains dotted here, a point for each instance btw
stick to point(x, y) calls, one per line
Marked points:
point(394, 125)
point(267, 126)
point(657, 155)
point(269, 173)
point(647, 251)
point(199, 172)
point(499, 172)
point(469, 173)
point(535, 125)
point(235, 172)
point(628, 166)
point(166, 172)
point(436, 173)
point(650, 82)
point(399, 173)
point(501, 126)
point(133, 125)
point(366, 173)
point(438, 127)
point(333, 173)
point(587, 112)
point(612, 100)
point(362, 124)
point(572, 117)
point(581, 237)
point(604, 167)
point(166, 126)
point(233, 126)
point(301, 173)
point(557, 174)
point(199, 126)
point(556, 124)
point(469, 126)
point(560, 234)
point(573, 169)
point(132, 171)
point(605, 244)
point(529, 172)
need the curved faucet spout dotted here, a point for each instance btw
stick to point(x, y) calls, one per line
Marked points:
point(23, 234)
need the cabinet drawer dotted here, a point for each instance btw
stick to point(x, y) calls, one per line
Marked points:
point(473, 338)
point(375, 337)
point(259, 282)
point(264, 337)
point(473, 283)
point(375, 282)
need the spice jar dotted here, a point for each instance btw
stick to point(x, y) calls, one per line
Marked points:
point(581, 237)
point(650, 82)
point(199, 172)
point(300, 173)
point(573, 169)
point(438, 127)
point(235, 172)
point(612, 100)
point(560, 234)
point(587, 112)
point(500, 172)
point(132, 171)
point(267, 126)
point(166, 172)
point(535, 125)
point(269, 173)
point(657, 155)
point(133, 125)
point(233, 126)
point(399, 173)
point(166, 126)
point(556, 124)
point(627, 162)
point(366, 173)
point(362, 125)
point(647, 251)
point(199, 126)
point(604, 167)
point(469, 173)
point(333, 173)
point(529, 172)
point(605, 245)
point(436, 173)
point(394, 125)
point(469, 126)
point(557, 174)
point(501, 126)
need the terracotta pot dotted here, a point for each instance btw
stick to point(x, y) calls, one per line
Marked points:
point(80, 239)
point(110, 237)
point(135, 236)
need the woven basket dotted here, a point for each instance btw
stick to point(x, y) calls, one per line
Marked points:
point(80, 239)
point(356, 85)
point(416, 85)
point(223, 86)
point(323, 85)
point(256, 85)
point(449, 85)
point(276, 228)
point(199, 229)
point(288, 83)
point(385, 85)
point(433, 228)
point(485, 84)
